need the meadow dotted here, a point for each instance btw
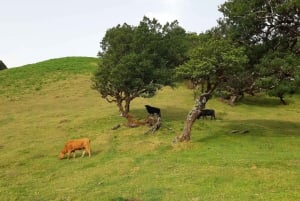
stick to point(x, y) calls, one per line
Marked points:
point(44, 105)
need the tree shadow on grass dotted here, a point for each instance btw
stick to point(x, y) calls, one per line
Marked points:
point(168, 113)
point(264, 101)
point(207, 138)
point(263, 128)
point(252, 127)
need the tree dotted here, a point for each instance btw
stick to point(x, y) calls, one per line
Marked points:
point(214, 61)
point(138, 61)
point(280, 74)
point(2, 66)
point(274, 23)
point(269, 30)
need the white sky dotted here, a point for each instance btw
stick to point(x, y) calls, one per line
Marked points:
point(37, 30)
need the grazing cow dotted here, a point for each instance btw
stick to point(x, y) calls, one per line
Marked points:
point(153, 110)
point(73, 145)
point(207, 112)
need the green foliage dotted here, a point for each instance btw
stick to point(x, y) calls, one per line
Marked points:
point(263, 28)
point(280, 73)
point(274, 23)
point(214, 61)
point(138, 61)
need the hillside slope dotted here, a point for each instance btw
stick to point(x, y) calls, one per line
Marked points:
point(33, 77)
point(43, 105)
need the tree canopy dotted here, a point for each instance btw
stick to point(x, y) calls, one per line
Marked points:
point(268, 30)
point(138, 60)
point(215, 62)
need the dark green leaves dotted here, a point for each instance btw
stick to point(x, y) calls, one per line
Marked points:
point(139, 60)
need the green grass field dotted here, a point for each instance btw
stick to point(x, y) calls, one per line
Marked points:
point(43, 105)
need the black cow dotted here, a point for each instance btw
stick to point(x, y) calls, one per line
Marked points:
point(153, 110)
point(207, 112)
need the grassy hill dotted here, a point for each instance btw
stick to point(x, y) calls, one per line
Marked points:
point(45, 104)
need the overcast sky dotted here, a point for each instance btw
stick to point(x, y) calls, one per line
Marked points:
point(37, 30)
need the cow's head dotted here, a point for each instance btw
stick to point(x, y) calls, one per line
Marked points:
point(61, 155)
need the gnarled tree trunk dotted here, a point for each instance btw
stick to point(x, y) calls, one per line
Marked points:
point(192, 116)
point(282, 101)
point(123, 109)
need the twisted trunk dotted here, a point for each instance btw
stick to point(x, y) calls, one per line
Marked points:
point(123, 109)
point(193, 114)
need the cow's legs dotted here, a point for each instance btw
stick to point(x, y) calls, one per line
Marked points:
point(83, 154)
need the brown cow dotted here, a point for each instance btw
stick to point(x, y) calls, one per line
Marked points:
point(73, 145)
